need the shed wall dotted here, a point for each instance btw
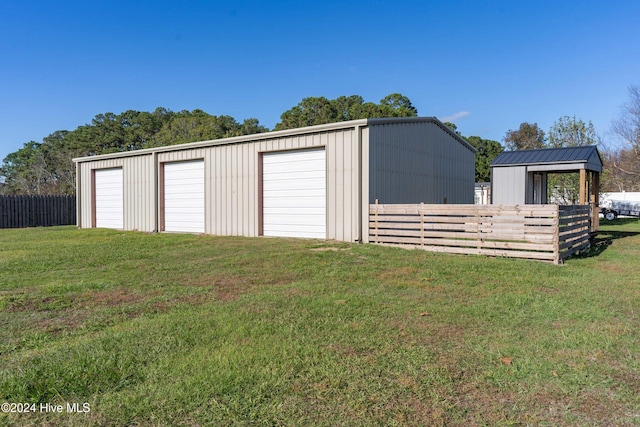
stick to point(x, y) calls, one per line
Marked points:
point(509, 185)
point(419, 162)
point(594, 163)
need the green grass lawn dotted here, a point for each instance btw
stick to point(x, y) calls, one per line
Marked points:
point(167, 329)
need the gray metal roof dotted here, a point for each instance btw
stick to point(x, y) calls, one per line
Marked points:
point(547, 156)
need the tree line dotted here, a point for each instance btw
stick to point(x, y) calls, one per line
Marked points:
point(46, 167)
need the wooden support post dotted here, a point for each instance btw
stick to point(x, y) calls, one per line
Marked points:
point(595, 202)
point(583, 185)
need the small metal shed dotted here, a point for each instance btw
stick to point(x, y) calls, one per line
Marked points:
point(316, 181)
point(520, 177)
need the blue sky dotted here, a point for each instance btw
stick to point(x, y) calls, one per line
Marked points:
point(487, 66)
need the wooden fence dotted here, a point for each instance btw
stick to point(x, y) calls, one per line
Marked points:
point(37, 211)
point(542, 232)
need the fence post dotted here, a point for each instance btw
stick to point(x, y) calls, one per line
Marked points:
point(556, 236)
point(375, 231)
point(422, 224)
point(478, 232)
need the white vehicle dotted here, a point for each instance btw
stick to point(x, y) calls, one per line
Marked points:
point(611, 209)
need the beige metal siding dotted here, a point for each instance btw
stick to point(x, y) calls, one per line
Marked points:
point(231, 182)
point(139, 194)
point(364, 184)
point(343, 173)
point(342, 176)
point(139, 191)
point(418, 162)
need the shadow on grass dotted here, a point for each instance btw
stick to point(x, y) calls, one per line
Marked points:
point(604, 238)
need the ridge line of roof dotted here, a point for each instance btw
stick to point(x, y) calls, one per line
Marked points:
point(551, 148)
point(277, 134)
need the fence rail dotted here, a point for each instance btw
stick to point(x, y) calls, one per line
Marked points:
point(574, 227)
point(37, 211)
point(543, 232)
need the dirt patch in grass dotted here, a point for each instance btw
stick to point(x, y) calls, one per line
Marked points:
point(346, 351)
point(484, 405)
point(596, 409)
point(225, 288)
point(614, 267)
point(115, 297)
point(415, 411)
point(556, 408)
point(58, 314)
point(20, 302)
point(194, 299)
point(329, 249)
point(625, 374)
point(423, 328)
point(491, 406)
point(229, 288)
point(401, 276)
point(64, 321)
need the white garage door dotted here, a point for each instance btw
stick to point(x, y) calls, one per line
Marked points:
point(294, 194)
point(109, 209)
point(184, 196)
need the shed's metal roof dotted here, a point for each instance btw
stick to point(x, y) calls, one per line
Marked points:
point(546, 156)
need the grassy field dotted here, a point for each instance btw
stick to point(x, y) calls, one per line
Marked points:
point(126, 328)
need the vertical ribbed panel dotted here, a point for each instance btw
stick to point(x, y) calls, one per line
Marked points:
point(509, 185)
point(139, 193)
point(342, 185)
point(418, 162)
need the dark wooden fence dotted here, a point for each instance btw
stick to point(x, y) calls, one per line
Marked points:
point(37, 211)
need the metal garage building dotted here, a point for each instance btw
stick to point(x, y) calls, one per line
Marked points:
point(313, 182)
